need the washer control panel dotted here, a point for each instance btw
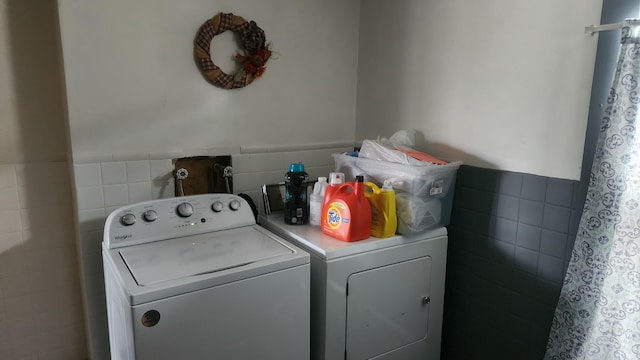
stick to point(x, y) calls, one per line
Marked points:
point(175, 217)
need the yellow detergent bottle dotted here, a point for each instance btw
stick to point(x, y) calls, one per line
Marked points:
point(384, 221)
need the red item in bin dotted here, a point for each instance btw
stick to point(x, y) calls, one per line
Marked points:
point(422, 156)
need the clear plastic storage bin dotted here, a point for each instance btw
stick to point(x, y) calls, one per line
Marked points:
point(424, 193)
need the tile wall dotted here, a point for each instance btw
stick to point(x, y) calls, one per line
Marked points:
point(511, 237)
point(104, 184)
point(101, 187)
point(40, 300)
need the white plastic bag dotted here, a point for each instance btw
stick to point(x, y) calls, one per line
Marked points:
point(385, 151)
point(405, 138)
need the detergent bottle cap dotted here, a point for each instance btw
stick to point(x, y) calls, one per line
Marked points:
point(296, 167)
point(336, 178)
point(388, 185)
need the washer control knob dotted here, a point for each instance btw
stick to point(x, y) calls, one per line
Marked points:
point(185, 209)
point(217, 206)
point(128, 219)
point(150, 216)
point(234, 205)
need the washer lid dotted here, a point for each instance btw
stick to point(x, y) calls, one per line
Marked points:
point(199, 254)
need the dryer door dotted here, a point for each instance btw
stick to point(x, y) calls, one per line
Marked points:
point(387, 308)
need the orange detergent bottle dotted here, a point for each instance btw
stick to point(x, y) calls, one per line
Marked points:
point(346, 213)
point(384, 221)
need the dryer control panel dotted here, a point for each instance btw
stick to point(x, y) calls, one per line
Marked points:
point(175, 217)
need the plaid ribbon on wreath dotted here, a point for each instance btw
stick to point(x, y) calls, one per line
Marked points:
point(254, 57)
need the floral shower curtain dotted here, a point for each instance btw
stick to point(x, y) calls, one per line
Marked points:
point(598, 314)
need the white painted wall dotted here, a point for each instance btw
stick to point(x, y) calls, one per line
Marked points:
point(31, 92)
point(500, 84)
point(40, 297)
point(136, 100)
point(133, 86)
point(476, 79)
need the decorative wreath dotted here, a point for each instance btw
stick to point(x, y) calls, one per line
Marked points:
point(254, 55)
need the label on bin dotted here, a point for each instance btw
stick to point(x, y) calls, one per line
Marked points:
point(436, 187)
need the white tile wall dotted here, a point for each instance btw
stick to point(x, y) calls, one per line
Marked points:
point(160, 170)
point(8, 199)
point(138, 171)
point(90, 197)
point(87, 175)
point(113, 173)
point(139, 192)
point(103, 186)
point(40, 306)
point(116, 195)
point(9, 222)
point(7, 176)
point(40, 299)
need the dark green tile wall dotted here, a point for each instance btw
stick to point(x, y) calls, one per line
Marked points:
point(508, 246)
point(511, 236)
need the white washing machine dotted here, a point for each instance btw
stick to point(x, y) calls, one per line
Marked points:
point(374, 298)
point(195, 278)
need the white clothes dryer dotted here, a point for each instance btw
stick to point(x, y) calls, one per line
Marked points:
point(374, 298)
point(195, 278)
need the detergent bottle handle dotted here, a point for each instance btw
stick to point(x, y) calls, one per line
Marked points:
point(375, 190)
point(345, 187)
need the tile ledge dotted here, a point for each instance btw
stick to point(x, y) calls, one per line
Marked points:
point(255, 149)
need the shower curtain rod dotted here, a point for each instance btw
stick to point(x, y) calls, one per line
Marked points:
point(592, 29)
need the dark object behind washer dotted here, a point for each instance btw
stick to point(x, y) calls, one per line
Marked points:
point(207, 174)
